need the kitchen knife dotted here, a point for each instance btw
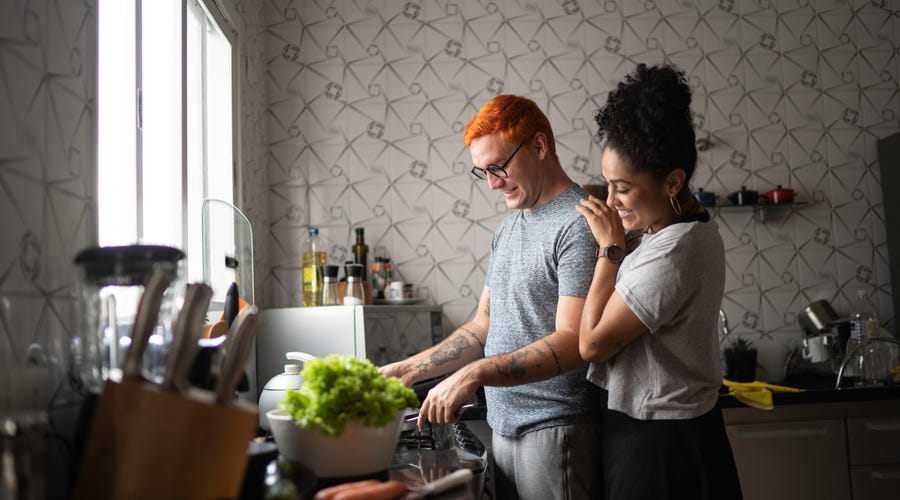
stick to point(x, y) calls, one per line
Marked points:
point(144, 324)
point(232, 304)
point(238, 345)
point(188, 328)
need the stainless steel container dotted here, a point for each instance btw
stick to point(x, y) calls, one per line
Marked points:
point(817, 317)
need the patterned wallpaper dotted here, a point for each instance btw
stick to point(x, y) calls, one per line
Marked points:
point(367, 101)
point(47, 179)
point(352, 113)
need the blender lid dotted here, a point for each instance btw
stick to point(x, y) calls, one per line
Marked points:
point(127, 265)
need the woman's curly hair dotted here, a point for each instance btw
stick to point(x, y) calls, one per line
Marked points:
point(647, 120)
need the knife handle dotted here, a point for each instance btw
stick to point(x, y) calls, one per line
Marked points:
point(188, 328)
point(232, 304)
point(144, 323)
point(238, 345)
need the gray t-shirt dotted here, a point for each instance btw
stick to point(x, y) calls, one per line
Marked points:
point(673, 282)
point(537, 256)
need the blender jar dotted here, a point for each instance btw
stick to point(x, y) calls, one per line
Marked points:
point(110, 282)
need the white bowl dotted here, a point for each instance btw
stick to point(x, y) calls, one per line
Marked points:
point(358, 451)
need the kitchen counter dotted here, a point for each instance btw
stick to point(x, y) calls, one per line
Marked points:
point(819, 444)
point(818, 389)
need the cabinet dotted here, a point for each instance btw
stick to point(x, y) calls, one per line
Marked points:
point(874, 451)
point(792, 460)
point(841, 450)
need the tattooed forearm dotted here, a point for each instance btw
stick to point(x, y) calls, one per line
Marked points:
point(555, 356)
point(487, 307)
point(513, 366)
point(472, 334)
point(451, 351)
point(423, 366)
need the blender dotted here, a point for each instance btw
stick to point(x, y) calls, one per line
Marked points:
point(109, 285)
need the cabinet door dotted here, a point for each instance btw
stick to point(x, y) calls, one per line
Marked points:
point(792, 461)
point(876, 482)
point(874, 440)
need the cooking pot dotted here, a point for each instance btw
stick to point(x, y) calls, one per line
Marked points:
point(744, 197)
point(705, 198)
point(780, 195)
point(277, 387)
point(818, 317)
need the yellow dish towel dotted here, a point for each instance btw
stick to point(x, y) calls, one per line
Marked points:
point(756, 394)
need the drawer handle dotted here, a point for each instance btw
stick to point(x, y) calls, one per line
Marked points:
point(890, 476)
point(892, 427)
point(818, 431)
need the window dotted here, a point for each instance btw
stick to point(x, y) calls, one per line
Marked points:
point(165, 122)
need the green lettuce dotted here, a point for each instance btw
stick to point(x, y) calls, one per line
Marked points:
point(337, 389)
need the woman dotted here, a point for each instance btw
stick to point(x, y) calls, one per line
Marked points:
point(649, 321)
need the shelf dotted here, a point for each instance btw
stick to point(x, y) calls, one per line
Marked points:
point(759, 209)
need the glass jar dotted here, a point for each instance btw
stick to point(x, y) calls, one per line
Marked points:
point(354, 295)
point(109, 285)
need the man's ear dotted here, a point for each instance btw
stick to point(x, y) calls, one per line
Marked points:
point(539, 144)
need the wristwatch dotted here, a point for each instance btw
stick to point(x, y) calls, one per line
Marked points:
point(613, 253)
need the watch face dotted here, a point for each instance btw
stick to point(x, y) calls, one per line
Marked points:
point(615, 253)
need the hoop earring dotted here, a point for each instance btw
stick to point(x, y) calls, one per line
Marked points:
point(676, 206)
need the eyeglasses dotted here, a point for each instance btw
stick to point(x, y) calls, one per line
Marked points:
point(498, 171)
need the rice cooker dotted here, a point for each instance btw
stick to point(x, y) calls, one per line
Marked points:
point(277, 387)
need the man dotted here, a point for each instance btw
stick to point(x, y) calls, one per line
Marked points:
point(522, 344)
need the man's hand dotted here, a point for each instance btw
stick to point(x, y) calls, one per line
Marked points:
point(401, 370)
point(444, 400)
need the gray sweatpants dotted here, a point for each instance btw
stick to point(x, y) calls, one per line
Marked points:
point(556, 463)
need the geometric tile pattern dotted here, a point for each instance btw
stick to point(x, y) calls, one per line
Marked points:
point(367, 101)
point(47, 208)
point(352, 115)
point(47, 178)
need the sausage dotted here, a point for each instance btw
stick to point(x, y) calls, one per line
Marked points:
point(330, 492)
point(382, 491)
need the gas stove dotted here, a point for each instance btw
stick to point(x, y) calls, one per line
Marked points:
point(439, 449)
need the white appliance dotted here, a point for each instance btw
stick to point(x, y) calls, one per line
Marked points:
point(380, 333)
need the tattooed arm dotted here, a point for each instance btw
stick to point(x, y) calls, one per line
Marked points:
point(464, 345)
point(551, 355)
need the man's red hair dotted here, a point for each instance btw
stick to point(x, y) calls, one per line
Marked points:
point(516, 118)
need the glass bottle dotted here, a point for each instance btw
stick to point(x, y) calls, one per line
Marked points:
point(361, 251)
point(354, 293)
point(330, 285)
point(312, 257)
point(862, 318)
point(278, 486)
point(388, 276)
point(875, 360)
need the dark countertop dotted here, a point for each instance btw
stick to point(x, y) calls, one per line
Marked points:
point(818, 389)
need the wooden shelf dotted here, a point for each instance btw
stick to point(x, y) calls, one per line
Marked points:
point(759, 209)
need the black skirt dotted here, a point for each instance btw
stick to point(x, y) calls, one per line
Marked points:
point(668, 459)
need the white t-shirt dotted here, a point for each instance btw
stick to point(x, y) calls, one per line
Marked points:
point(673, 282)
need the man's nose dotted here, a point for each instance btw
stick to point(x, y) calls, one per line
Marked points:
point(495, 182)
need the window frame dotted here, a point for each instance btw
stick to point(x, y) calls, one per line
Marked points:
point(222, 15)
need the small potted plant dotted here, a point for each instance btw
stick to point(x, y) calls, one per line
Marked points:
point(740, 361)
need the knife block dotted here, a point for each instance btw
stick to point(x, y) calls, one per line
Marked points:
point(145, 442)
